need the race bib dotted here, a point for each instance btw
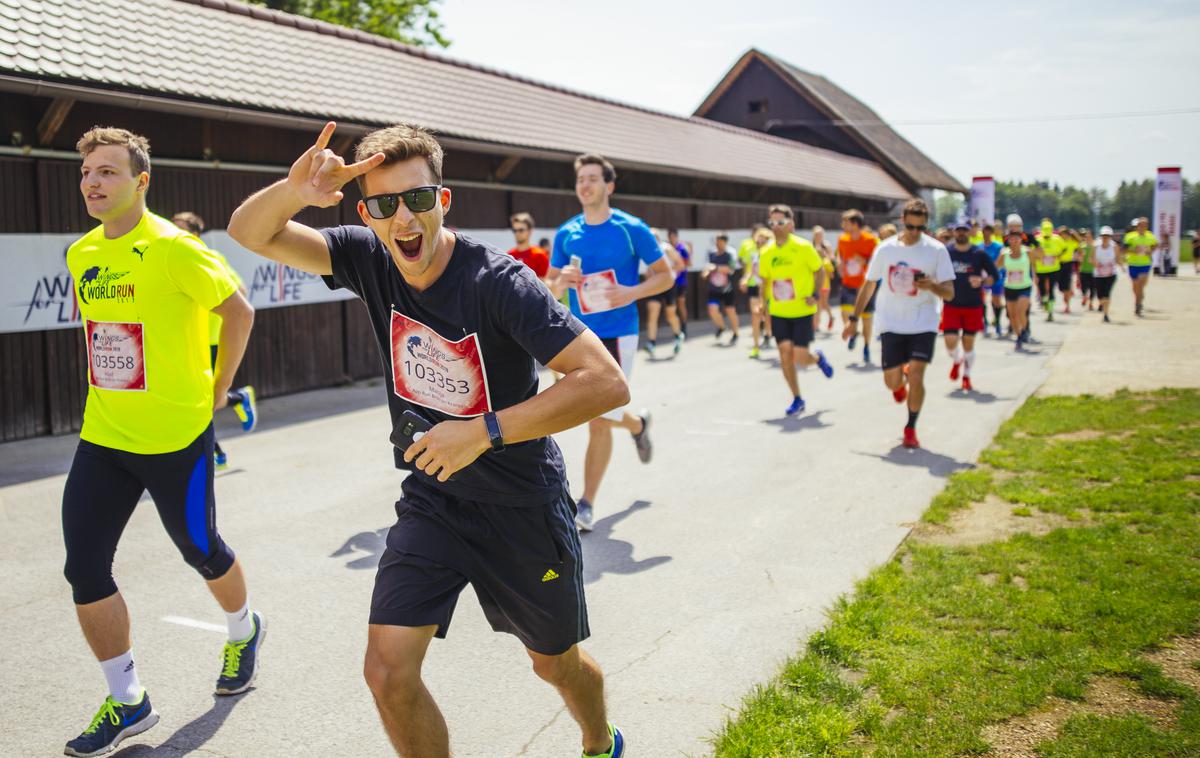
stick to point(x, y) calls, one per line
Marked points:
point(1104, 270)
point(901, 280)
point(116, 356)
point(854, 266)
point(1016, 279)
point(593, 291)
point(433, 372)
point(1049, 260)
point(719, 279)
point(783, 290)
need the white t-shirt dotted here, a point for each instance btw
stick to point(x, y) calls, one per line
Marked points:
point(900, 307)
point(1104, 262)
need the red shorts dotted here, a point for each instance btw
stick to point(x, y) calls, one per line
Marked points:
point(969, 320)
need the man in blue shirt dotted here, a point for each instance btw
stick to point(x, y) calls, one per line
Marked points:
point(596, 257)
point(993, 247)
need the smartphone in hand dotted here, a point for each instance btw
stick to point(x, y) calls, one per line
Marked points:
point(409, 429)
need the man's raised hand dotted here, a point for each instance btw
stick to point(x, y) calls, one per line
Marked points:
point(319, 174)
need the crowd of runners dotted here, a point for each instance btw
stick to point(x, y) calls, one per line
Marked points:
point(461, 329)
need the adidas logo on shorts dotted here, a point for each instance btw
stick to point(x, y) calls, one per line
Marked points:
point(550, 574)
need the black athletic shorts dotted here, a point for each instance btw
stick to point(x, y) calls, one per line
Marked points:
point(899, 349)
point(1012, 296)
point(1066, 278)
point(525, 563)
point(1103, 286)
point(105, 485)
point(753, 290)
point(1046, 284)
point(798, 331)
point(667, 297)
point(723, 299)
point(849, 296)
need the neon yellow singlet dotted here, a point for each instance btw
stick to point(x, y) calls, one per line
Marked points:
point(144, 299)
point(1140, 246)
point(790, 269)
point(747, 251)
point(1048, 259)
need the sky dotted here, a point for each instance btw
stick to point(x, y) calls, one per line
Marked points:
point(1022, 64)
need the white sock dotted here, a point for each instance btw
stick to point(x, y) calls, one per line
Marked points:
point(241, 623)
point(968, 361)
point(958, 353)
point(121, 674)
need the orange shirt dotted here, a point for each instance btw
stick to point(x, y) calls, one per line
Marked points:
point(853, 257)
point(535, 258)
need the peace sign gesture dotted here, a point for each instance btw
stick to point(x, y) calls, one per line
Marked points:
point(319, 174)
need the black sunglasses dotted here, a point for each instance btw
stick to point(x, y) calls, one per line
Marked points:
point(417, 200)
point(520, 229)
point(915, 227)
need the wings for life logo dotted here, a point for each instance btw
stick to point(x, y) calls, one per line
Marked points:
point(100, 283)
point(277, 283)
point(902, 279)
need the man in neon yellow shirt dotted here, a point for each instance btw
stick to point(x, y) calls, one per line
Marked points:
point(1068, 265)
point(751, 285)
point(1048, 264)
point(145, 289)
point(1139, 245)
point(792, 273)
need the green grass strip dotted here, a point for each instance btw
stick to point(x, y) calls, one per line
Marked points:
point(948, 640)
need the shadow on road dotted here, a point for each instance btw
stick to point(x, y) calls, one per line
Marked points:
point(983, 398)
point(371, 543)
point(936, 463)
point(791, 424)
point(602, 554)
point(192, 735)
point(862, 368)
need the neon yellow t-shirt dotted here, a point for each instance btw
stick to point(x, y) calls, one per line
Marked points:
point(1068, 253)
point(976, 239)
point(144, 299)
point(747, 252)
point(788, 271)
point(214, 321)
point(1049, 258)
point(1139, 247)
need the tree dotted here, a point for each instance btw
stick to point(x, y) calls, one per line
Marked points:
point(413, 22)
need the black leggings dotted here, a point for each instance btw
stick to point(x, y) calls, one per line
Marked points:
point(1046, 284)
point(104, 487)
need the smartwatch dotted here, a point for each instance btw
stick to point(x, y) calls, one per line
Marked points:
point(852, 318)
point(493, 430)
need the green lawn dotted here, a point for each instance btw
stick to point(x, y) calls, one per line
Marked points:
point(943, 641)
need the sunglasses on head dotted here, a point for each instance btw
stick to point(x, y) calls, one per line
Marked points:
point(417, 200)
point(779, 222)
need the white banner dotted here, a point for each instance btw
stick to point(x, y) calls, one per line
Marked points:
point(983, 199)
point(1168, 206)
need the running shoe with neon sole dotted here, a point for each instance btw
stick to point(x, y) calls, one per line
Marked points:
point(910, 438)
point(824, 365)
point(618, 745)
point(641, 440)
point(796, 407)
point(584, 515)
point(113, 723)
point(220, 461)
point(241, 660)
point(247, 409)
point(754, 353)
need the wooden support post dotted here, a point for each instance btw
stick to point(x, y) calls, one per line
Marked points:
point(506, 167)
point(53, 119)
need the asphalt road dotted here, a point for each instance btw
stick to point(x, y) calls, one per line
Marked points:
point(706, 569)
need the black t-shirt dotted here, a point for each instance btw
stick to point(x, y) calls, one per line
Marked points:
point(968, 263)
point(719, 281)
point(467, 344)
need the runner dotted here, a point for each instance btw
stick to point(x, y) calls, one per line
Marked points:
point(536, 257)
point(1139, 245)
point(1048, 264)
point(242, 400)
point(944, 235)
point(919, 274)
point(667, 301)
point(751, 284)
point(1014, 224)
point(886, 231)
point(606, 246)
point(792, 273)
point(993, 247)
point(681, 275)
point(1018, 284)
point(964, 313)
point(1069, 265)
point(144, 289)
point(826, 252)
point(458, 325)
point(1087, 268)
point(1108, 256)
point(854, 250)
point(719, 274)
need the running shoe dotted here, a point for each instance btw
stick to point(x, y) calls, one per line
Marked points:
point(618, 745)
point(754, 353)
point(733, 339)
point(999, 333)
point(866, 353)
point(910, 437)
point(824, 365)
point(966, 385)
point(1050, 315)
point(241, 660)
point(901, 394)
point(718, 334)
point(1106, 319)
point(247, 408)
point(853, 341)
point(649, 348)
point(797, 406)
point(111, 724)
point(767, 341)
point(679, 338)
point(641, 440)
point(583, 515)
point(955, 369)
point(220, 461)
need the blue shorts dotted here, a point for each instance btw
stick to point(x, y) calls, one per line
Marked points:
point(997, 287)
point(1136, 272)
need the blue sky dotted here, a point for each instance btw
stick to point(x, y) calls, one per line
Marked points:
point(945, 62)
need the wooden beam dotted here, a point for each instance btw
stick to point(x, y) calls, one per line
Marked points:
point(506, 167)
point(343, 144)
point(53, 118)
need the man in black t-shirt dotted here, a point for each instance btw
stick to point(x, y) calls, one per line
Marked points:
point(973, 270)
point(458, 325)
point(719, 275)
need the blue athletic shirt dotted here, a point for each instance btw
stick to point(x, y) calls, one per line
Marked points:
point(620, 244)
point(993, 249)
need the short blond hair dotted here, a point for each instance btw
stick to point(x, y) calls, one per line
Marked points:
point(522, 218)
point(137, 145)
point(399, 143)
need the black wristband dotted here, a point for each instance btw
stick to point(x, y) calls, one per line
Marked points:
point(493, 429)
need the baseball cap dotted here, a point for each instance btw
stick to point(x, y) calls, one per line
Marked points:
point(961, 223)
point(1106, 230)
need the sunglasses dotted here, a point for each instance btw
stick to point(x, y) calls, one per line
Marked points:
point(418, 200)
point(915, 227)
point(779, 222)
point(516, 229)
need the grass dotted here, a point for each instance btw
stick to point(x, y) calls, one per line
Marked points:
point(943, 641)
